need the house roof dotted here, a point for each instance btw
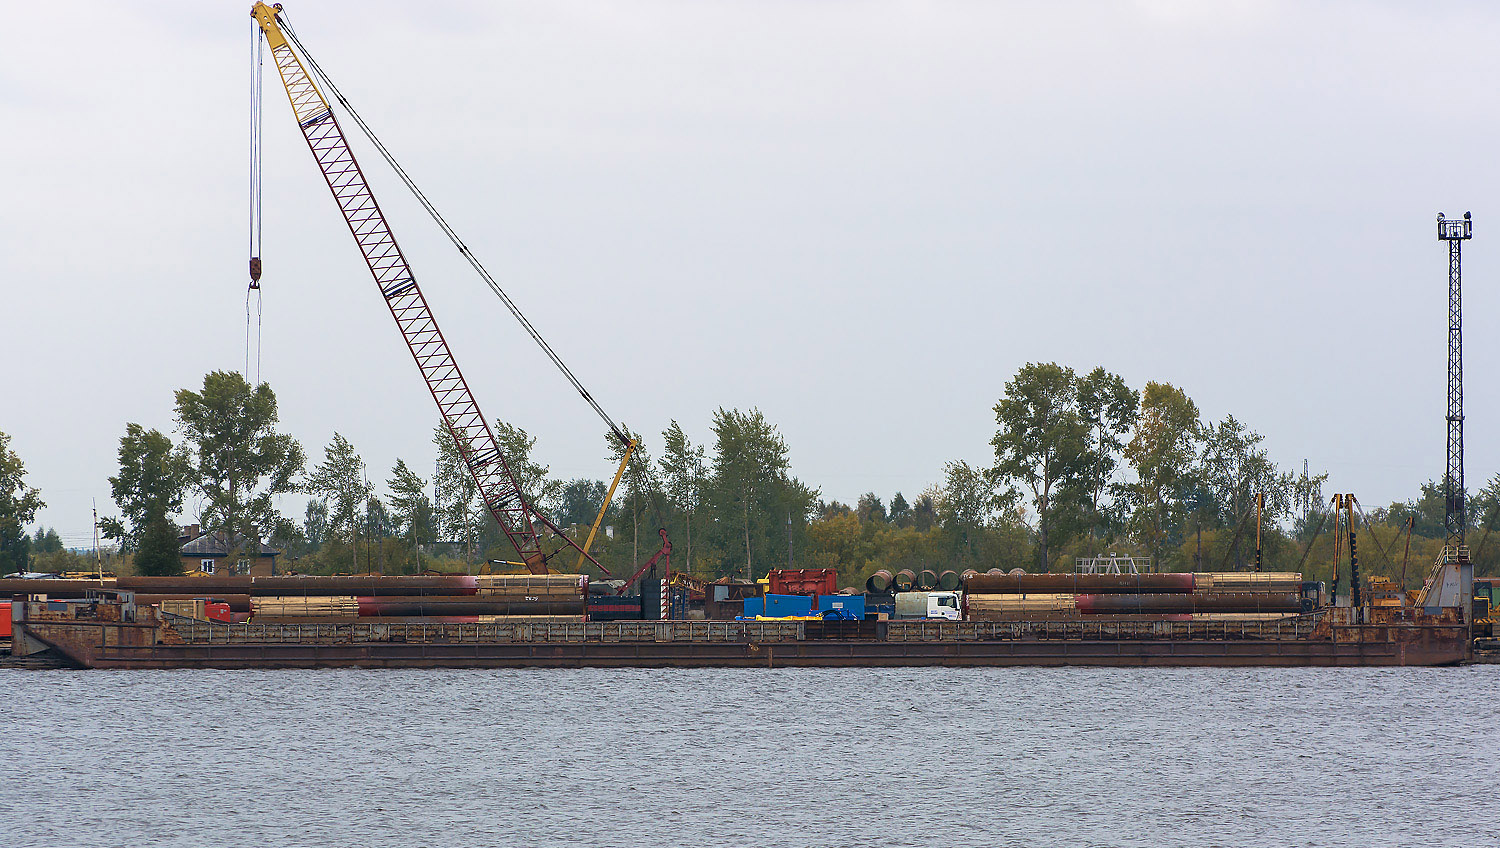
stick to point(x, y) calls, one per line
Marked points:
point(212, 545)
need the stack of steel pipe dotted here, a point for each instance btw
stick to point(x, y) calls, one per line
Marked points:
point(375, 599)
point(56, 589)
point(1205, 596)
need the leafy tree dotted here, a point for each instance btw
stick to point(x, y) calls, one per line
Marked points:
point(157, 554)
point(411, 509)
point(682, 469)
point(1235, 469)
point(836, 541)
point(291, 539)
point(1109, 408)
point(239, 460)
point(900, 514)
point(924, 512)
point(339, 479)
point(966, 504)
point(750, 492)
point(315, 522)
point(580, 501)
point(154, 476)
point(46, 541)
point(18, 506)
point(1430, 510)
point(1162, 453)
point(460, 514)
point(516, 446)
point(869, 508)
point(1043, 443)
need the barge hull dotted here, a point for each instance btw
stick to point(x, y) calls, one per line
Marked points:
point(74, 642)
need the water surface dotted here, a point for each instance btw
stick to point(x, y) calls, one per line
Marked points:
point(791, 757)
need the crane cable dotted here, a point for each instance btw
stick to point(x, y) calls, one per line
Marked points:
point(256, 63)
point(448, 230)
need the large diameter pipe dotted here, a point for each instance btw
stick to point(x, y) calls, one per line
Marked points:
point(455, 584)
point(1080, 584)
point(879, 582)
point(1042, 602)
point(391, 606)
point(1247, 581)
point(195, 586)
point(906, 580)
point(1190, 603)
point(927, 579)
point(949, 581)
point(51, 588)
point(286, 586)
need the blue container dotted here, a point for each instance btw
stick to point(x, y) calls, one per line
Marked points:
point(780, 606)
point(754, 607)
point(854, 604)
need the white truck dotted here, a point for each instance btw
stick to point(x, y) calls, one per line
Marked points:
point(928, 605)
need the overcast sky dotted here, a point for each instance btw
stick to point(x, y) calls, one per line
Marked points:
point(861, 218)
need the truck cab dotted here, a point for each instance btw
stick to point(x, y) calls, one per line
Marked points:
point(942, 605)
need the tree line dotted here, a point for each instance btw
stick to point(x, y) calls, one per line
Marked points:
point(1081, 464)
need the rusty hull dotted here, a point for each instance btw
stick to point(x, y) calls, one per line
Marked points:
point(149, 644)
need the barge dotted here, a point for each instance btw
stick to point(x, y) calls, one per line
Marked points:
point(106, 633)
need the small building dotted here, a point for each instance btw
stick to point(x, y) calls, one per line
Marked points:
point(208, 553)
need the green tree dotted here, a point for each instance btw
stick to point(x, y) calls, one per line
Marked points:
point(339, 479)
point(18, 506)
point(1043, 444)
point(924, 512)
point(315, 523)
point(46, 541)
point(1109, 408)
point(900, 511)
point(965, 505)
point(751, 492)
point(682, 469)
point(1234, 469)
point(579, 503)
point(1162, 451)
point(460, 516)
point(157, 554)
point(240, 462)
point(870, 508)
point(411, 509)
point(516, 445)
point(154, 476)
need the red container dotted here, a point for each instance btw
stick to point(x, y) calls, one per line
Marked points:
point(218, 612)
point(804, 581)
point(4, 619)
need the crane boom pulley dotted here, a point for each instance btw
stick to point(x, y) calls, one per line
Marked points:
point(496, 481)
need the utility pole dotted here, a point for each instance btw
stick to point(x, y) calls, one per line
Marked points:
point(789, 538)
point(1260, 505)
point(98, 557)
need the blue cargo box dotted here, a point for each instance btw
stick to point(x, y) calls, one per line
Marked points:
point(854, 604)
point(778, 606)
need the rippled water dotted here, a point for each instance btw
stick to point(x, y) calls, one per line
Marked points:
point(825, 757)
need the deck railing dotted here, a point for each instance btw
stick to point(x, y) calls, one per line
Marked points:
point(196, 631)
